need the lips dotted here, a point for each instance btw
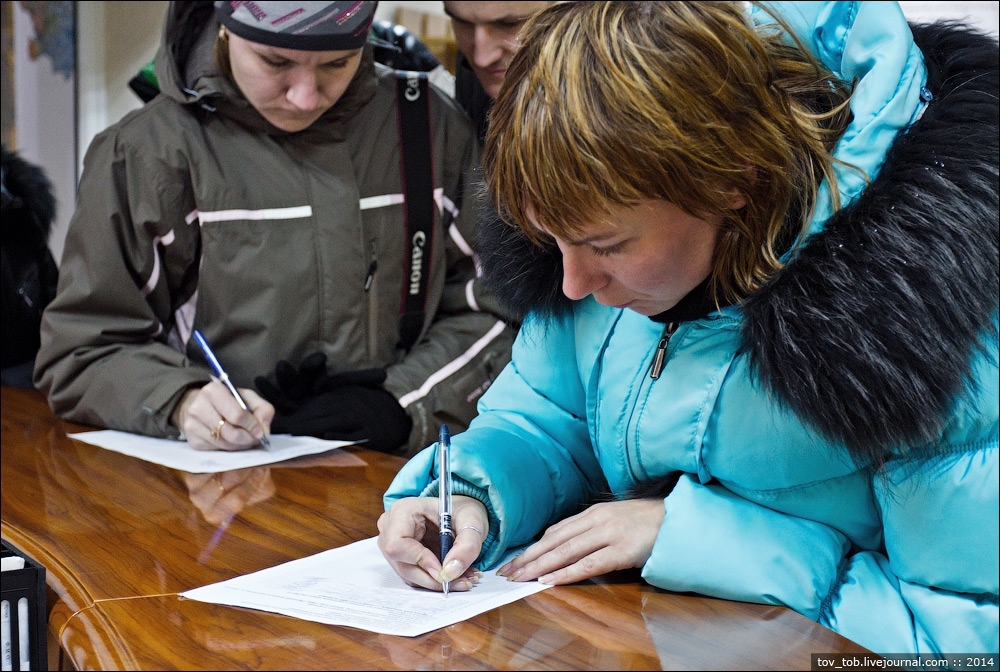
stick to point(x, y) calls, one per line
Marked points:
point(627, 304)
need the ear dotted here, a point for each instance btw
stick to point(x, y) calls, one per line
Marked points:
point(736, 199)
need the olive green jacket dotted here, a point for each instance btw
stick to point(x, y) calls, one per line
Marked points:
point(194, 212)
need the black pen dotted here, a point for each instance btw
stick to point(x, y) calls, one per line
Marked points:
point(446, 535)
point(224, 377)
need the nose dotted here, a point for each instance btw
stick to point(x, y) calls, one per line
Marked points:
point(488, 46)
point(581, 277)
point(303, 91)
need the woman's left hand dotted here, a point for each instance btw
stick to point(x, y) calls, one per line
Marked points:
point(604, 538)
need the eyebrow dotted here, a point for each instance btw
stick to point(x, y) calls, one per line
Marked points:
point(267, 53)
point(507, 18)
point(588, 240)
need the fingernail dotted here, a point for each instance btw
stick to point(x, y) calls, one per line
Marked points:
point(503, 570)
point(513, 577)
point(451, 571)
point(468, 582)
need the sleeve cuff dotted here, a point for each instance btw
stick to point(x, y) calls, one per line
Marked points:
point(462, 487)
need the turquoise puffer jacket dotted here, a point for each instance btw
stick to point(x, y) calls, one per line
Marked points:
point(772, 506)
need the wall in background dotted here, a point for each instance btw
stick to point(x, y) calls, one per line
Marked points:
point(387, 10)
point(115, 40)
point(57, 108)
point(985, 15)
point(43, 127)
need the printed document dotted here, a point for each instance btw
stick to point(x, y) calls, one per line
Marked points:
point(180, 454)
point(355, 586)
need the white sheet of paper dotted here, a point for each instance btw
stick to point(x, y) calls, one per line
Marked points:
point(180, 454)
point(354, 586)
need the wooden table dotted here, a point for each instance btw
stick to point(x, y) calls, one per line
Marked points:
point(120, 539)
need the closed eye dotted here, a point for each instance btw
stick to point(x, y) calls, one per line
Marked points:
point(336, 65)
point(610, 250)
point(274, 63)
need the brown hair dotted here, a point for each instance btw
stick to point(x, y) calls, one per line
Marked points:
point(609, 103)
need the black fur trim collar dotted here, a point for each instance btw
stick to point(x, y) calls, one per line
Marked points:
point(868, 333)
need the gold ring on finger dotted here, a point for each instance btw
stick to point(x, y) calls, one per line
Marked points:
point(217, 430)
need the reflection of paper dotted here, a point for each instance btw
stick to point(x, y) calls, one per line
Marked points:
point(180, 454)
point(354, 586)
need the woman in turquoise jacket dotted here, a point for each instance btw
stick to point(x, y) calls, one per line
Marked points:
point(757, 258)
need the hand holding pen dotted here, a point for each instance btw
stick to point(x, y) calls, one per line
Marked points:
point(462, 524)
point(404, 541)
point(220, 417)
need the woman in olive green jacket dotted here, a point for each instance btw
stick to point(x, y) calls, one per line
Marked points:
point(259, 200)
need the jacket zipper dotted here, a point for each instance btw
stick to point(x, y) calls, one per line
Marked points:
point(372, 302)
point(661, 350)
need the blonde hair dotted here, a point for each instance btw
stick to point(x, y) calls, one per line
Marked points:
point(609, 103)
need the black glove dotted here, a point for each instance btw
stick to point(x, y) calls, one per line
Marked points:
point(294, 386)
point(347, 406)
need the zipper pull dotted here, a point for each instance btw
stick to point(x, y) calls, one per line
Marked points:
point(372, 267)
point(661, 350)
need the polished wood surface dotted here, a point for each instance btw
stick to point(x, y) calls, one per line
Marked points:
point(121, 537)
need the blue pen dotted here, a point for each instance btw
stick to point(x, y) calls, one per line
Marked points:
point(446, 535)
point(224, 378)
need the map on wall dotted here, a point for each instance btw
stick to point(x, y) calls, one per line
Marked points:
point(54, 34)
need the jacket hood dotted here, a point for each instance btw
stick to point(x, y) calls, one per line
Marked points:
point(186, 72)
point(869, 331)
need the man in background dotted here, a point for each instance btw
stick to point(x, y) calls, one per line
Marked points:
point(486, 36)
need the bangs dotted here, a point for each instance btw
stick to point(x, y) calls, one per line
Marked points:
point(559, 145)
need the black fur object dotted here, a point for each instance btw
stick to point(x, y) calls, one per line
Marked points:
point(29, 205)
point(29, 271)
point(868, 333)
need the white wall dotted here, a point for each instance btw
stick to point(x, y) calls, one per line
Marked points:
point(114, 41)
point(985, 15)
